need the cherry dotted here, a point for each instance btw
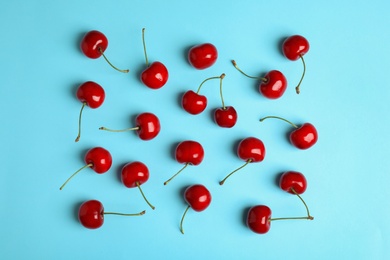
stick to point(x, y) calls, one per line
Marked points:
point(194, 103)
point(272, 85)
point(147, 126)
point(91, 214)
point(134, 174)
point(98, 159)
point(250, 150)
point(93, 45)
point(189, 153)
point(198, 198)
point(156, 74)
point(294, 47)
point(90, 94)
point(226, 116)
point(302, 137)
point(202, 56)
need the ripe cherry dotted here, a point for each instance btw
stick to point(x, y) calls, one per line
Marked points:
point(250, 150)
point(294, 47)
point(156, 74)
point(272, 85)
point(302, 137)
point(98, 159)
point(194, 103)
point(91, 214)
point(90, 94)
point(202, 56)
point(225, 116)
point(188, 152)
point(134, 174)
point(93, 46)
point(147, 126)
point(198, 198)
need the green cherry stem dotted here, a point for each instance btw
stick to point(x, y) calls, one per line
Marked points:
point(252, 77)
point(125, 214)
point(104, 56)
point(165, 183)
point(201, 84)
point(143, 195)
point(121, 130)
point(74, 174)
point(143, 43)
point(81, 113)
point(220, 90)
point(182, 219)
point(281, 118)
point(304, 203)
point(230, 174)
point(297, 89)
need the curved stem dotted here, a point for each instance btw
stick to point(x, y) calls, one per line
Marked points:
point(74, 174)
point(201, 84)
point(121, 130)
point(81, 113)
point(297, 89)
point(104, 56)
point(220, 90)
point(165, 183)
point(125, 214)
point(143, 195)
point(304, 203)
point(182, 219)
point(143, 43)
point(239, 168)
point(236, 66)
point(281, 118)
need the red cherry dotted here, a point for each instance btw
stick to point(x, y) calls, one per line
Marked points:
point(202, 56)
point(188, 153)
point(293, 182)
point(93, 45)
point(147, 126)
point(198, 198)
point(250, 150)
point(91, 214)
point(156, 74)
point(98, 159)
point(294, 47)
point(259, 219)
point(273, 84)
point(134, 174)
point(302, 137)
point(91, 94)
point(225, 117)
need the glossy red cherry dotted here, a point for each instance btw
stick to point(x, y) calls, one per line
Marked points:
point(293, 182)
point(198, 198)
point(134, 174)
point(147, 126)
point(93, 45)
point(156, 74)
point(226, 117)
point(91, 214)
point(90, 94)
point(189, 153)
point(250, 149)
point(259, 219)
point(98, 159)
point(273, 84)
point(302, 137)
point(294, 47)
point(202, 56)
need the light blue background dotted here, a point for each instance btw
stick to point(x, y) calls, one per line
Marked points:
point(345, 93)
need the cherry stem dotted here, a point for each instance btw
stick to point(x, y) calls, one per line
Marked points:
point(143, 43)
point(201, 84)
point(182, 219)
point(304, 203)
point(81, 113)
point(281, 118)
point(125, 214)
point(165, 183)
point(236, 66)
point(74, 174)
point(104, 56)
point(220, 90)
point(297, 89)
point(121, 130)
point(239, 168)
point(143, 195)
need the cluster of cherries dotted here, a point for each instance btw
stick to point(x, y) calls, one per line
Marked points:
point(190, 152)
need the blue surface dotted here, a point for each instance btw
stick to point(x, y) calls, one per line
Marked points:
point(345, 94)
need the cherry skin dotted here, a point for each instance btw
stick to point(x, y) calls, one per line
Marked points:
point(198, 198)
point(274, 84)
point(259, 219)
point(189, 153)
point(202, 56)
point(293, 182)
point(98, 159)
point(193, 103)
point(225, 117)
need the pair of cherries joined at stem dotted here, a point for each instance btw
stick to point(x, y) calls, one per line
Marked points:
point(259, 217)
